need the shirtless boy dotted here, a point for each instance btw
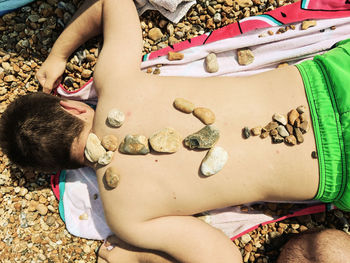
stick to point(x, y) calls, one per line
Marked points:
point(152, 206)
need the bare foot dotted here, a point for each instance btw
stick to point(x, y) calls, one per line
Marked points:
point(114, 250)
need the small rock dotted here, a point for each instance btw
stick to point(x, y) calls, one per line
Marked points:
point(270, 126)
point(217, 18)
point(304, 127)
point(291, 140)
point(204, 115)
point(166, 140)
point(297, 123)
point(244, 3)
point(245, 239)
point(214, 161)
point(170, 29)
point(256, 131)
point(264, 134)
point(298, 135)
point(211, 63)
point(112, 177)
point(115, 118)
point(245, 56)
point(274, 132)
point(9, 78)
point(292, 116)
point(93, 148)
point(173, 40)
point(282, 131)
point(155, 34)
point(308, 23)
point(110, 142)
point(301, 109)
point(314, 155)
point(246, 132)
point(203, 139)
point(303, 117)
point(84, 216)
point(86, 73)
point(134, 144)
point(277, 139)
point(106, 159)
point(289, 128)
point(42, 209)
point(175, 56)
point(183, 105)
point(280, 118)
point(156, 71)
point(282, 65)
point(50, 220)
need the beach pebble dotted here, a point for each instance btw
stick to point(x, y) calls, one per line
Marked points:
point(183, 105)
point(214, 161)
point(298, 135)
point(245, 56)
point(115, 118)
point(166, 140)
point(264, 134)
point(256, 131)
point(93, 148)
point(106, 159)
point(314, 155)
point(112, 177)
point(211, 63)
point(282, 131)
point(155, 34)
point(203, 139)
point(274, 132)
point(292, 116)
point(246, 132)
point(205, 115)
point(42, 209)
point(280, 118)
point(303, 117)
point(308, 23)
point(134, 144)
point(291, 140)
point(277, 139)
point(289, 128)
point(270, 126)
point(301, 109)
point(110, 142)
point(282, 65)
point(175, 56)
point(304, 127)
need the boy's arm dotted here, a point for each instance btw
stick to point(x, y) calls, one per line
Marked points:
point(85, 24)
point(185, 238)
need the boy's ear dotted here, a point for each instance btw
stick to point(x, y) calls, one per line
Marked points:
point(72, 107)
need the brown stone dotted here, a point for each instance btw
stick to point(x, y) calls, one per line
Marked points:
point(155, 34)
point(110, 142)
point(205, 115)
point(291, 140)
point(270, 126)
point(86, 73)
point(42, 209)
point(274, 132)
point(303, 117)
point(298, 135)
point(112, 177)
point(292, 116)
point(256, 131)
point(304, 127)
point(166, 140)
point(308, 23)
point(297, 123)
point(289, 128)
point(175, 56)
point(264, 134)
point(183, 105)
point(282, 65)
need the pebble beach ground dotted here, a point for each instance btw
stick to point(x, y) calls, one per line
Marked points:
point(31, 228)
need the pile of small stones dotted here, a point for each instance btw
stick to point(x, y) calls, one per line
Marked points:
point(288, 129)
point(32, 230)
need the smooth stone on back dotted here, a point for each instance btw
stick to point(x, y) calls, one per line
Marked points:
point(214, 161)
point(205, 115)
point(203, 139)
point(134, 144)
point(112, 177)
point(115, 118)
point(166, 140)
point(106, 159)
point(110, 142)
point(93, 148)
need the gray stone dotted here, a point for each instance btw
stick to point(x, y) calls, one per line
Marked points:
point(166, 140)
point(134, 144)
point(246, 132)
point(214, 161)
point(115, 118)
point(282, 131)
point(203, 139)
point(93, 148)
point(112, 177)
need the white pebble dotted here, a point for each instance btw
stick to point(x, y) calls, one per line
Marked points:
point(115, 118)
point(214, 161)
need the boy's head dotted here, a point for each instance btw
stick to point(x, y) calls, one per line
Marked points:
point(45, 132)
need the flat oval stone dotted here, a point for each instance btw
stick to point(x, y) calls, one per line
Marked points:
point(211, 63)
point(203, 139)
point(134, 144)
point(166, 140)
point(93, 148)
point(112, 177)
point(115, 118)
point(214, 161)
point(183, 105)
point(106, 159)
point(204, 115)
point(110, 142)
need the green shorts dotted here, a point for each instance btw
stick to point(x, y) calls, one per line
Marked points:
point(327, 84)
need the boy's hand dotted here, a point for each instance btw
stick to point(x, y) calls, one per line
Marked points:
point(50, 73)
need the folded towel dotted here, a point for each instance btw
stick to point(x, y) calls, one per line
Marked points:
point(173, 10)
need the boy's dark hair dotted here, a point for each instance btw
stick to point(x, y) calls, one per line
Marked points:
point(36, 132)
